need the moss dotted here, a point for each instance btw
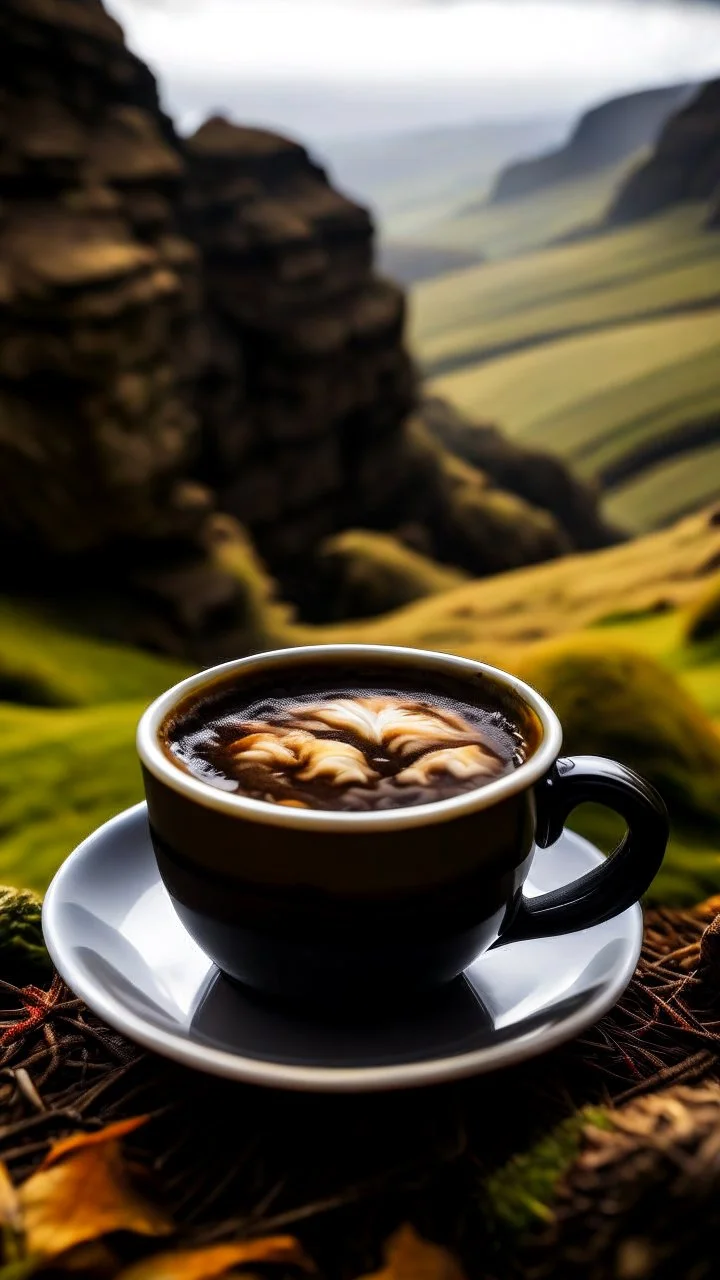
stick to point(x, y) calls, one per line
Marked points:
point(519, 1194)
point(702, 620)
point(44, 662)
point(62, 773)
point(369, 573)
point(268, 622)
point(614, 701)
point(23, 957)
point(617, 702)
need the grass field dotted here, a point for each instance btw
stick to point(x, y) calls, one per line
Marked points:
point(668, 489)
point(631, 389)
point(603, 635)
point(603, 351)
point(666, 264)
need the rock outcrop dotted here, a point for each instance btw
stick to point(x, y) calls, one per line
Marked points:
point(605, 135)
point(193, 342)
point(306, 383)
point(97, 290)
point(685, 164)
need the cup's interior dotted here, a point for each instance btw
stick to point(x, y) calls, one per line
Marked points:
point(333, 673)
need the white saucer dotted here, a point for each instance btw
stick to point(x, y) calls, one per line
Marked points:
point(115, 938)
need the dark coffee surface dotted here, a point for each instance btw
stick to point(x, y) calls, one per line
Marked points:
point(350, 740)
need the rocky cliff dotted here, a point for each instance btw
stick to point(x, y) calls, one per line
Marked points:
point(685, 164)
point(603, 136)
point(305, 383)
point(97, 292)
point(191, 330)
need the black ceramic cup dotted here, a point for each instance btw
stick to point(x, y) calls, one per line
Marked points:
point(339, 908)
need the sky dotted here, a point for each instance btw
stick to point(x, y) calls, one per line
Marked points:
point(341, 68)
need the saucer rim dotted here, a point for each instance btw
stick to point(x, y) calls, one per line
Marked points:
point(295, 1077)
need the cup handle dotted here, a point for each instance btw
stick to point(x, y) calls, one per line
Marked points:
point(624, 877)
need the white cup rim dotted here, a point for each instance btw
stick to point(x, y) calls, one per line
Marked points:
point(236, 805)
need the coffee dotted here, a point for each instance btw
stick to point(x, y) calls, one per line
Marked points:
point(337, 741)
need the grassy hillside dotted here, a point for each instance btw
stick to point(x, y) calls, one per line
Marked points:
point(667, 263)
point(517, 226)
point(667, 489)
point(68, 712)
point(604, 351)
point(612, 402)
point(497, 618)
point(42, 663)
point(618, 619)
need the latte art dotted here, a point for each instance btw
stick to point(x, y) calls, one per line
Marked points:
point(347, 749)
point(401, 730)
point(278, 750)
point(462, 762)
point(388, 722)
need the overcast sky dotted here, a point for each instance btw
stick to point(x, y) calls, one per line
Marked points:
point(322, 68)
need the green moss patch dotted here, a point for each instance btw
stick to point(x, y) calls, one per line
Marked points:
point(617, 702)
point(519, 1194)
point(62, 773)
point(23, 957)
point(46, 663)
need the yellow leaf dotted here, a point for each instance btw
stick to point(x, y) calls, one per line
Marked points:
point(77, 1141)
point(82, 1192)
point(216, 1260)
point(409, 1257)
point(10, 1213)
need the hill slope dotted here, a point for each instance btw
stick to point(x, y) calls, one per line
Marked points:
point(494, 231)
point(536, 201)
point(605, 134)
point(603, 351)
point(685, 164)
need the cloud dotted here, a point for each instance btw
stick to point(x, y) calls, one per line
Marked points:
point(329, 66)
point(409, 41)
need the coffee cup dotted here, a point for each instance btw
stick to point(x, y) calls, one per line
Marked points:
point(343, 908)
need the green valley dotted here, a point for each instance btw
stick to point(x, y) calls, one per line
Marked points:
point(603, 351)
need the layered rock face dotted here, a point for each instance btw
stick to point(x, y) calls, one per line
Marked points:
point(305, 382)
point(191, 334)
point(97, 291)
point(685, 164)
point(603, 136)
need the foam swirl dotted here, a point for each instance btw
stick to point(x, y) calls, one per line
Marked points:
point(472, 761)
point(308, 757)
point(404, 728)
point(292, 753)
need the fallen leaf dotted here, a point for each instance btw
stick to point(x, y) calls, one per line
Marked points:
point(216, 1260)
point(83, 1191)
point(10, 1211)
point(409, 1257)
point(78, 1141)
